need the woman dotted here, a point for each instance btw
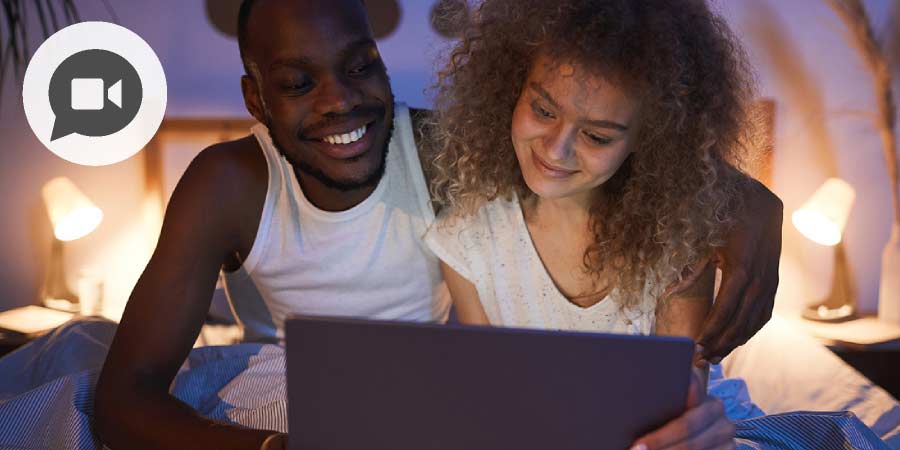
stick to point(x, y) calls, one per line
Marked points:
point(585, 160)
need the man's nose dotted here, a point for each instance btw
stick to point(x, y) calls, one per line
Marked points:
point(336, 97)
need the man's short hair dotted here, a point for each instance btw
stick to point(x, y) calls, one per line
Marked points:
point(243, 20)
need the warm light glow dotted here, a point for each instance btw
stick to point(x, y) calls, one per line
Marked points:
point(72, 214)
point(816, 227)
point(78, 224)
point(823, 217)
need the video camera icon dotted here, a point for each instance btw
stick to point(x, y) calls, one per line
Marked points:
point(87, 94)
point(94, 93)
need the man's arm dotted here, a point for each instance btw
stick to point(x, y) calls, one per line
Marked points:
point(202, 228)
point(683, 314)
point(749, 262)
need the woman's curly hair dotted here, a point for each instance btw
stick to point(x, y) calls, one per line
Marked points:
point(673, 200)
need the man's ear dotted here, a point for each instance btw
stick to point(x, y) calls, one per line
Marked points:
point(252, 100)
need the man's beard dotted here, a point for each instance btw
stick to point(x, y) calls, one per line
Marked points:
point(369, 180)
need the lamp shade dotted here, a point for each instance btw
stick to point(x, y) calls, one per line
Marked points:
point(72, 214)
point(823, 217)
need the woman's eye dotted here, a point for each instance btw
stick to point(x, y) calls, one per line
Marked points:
point(542, 112)
point(599, 140)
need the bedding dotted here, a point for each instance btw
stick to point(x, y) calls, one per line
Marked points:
point(785, 370)
point(46, 393)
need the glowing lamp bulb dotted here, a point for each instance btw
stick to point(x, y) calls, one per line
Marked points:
point(72, 214)
point(823, 217)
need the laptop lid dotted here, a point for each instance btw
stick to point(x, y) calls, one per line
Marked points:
point(356, 384)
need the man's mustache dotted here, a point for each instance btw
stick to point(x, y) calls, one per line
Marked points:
point(370, 112)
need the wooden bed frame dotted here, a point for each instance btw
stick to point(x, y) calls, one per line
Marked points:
point(156, 153)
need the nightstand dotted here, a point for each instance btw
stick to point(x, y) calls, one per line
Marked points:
point(867, 344)
point(11, 341)
point(878, 362)
point(20, 325)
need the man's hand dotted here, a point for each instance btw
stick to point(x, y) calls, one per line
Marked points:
point(749, 263)
point(703, 426)
point(277, 441)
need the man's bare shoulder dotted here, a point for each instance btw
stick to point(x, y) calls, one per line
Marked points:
point(228, 182)
point(239, 163)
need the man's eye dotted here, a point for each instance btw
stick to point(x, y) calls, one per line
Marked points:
point(596, 139)
point(362, 69)
point(298, 87)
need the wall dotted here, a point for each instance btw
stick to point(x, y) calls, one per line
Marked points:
point(824, 102)
point(819, 85)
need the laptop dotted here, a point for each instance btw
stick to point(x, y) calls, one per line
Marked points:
point(373, 385)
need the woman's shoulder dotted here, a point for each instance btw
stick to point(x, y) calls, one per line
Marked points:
point(495, 217)
point(467, 242)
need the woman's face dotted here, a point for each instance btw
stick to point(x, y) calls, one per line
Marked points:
point(570, 130)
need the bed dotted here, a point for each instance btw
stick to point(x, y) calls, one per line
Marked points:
point(785, 369)
point(46, 393)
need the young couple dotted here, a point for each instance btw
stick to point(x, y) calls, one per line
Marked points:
point(581, 154)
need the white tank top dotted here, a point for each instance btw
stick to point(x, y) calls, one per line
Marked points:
point(368, 261)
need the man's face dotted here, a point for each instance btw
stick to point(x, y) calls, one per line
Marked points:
point(321, 88)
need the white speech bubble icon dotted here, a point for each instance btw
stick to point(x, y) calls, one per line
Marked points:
point(88, 95)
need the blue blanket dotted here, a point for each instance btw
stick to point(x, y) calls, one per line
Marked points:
point(46, 396)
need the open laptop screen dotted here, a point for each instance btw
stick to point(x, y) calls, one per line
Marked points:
point(355, 384)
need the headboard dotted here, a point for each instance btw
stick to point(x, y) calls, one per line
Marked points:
point(176, 144)
point(179, 140)
point(761, 141)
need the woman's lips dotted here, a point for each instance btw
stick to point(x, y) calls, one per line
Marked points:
point(548, 170)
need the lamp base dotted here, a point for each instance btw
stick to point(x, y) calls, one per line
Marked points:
point(56, 292)
point(63, 304)
point(840, 303)
point(823, 313)
point(889, 291)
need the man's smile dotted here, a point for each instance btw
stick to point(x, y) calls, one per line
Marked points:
point(347, 141)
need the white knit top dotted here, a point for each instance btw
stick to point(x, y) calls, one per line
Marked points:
point(493, 250)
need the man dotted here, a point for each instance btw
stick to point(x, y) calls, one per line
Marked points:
point(313, 214)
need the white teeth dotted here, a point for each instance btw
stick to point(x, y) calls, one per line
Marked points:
point(346, 138)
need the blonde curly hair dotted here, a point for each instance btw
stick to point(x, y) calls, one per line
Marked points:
point(674, 199)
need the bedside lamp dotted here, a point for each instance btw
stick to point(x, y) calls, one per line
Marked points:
point(73, 216)
point(822, 220)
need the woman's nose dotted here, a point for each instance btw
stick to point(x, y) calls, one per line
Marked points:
point(559, 143)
